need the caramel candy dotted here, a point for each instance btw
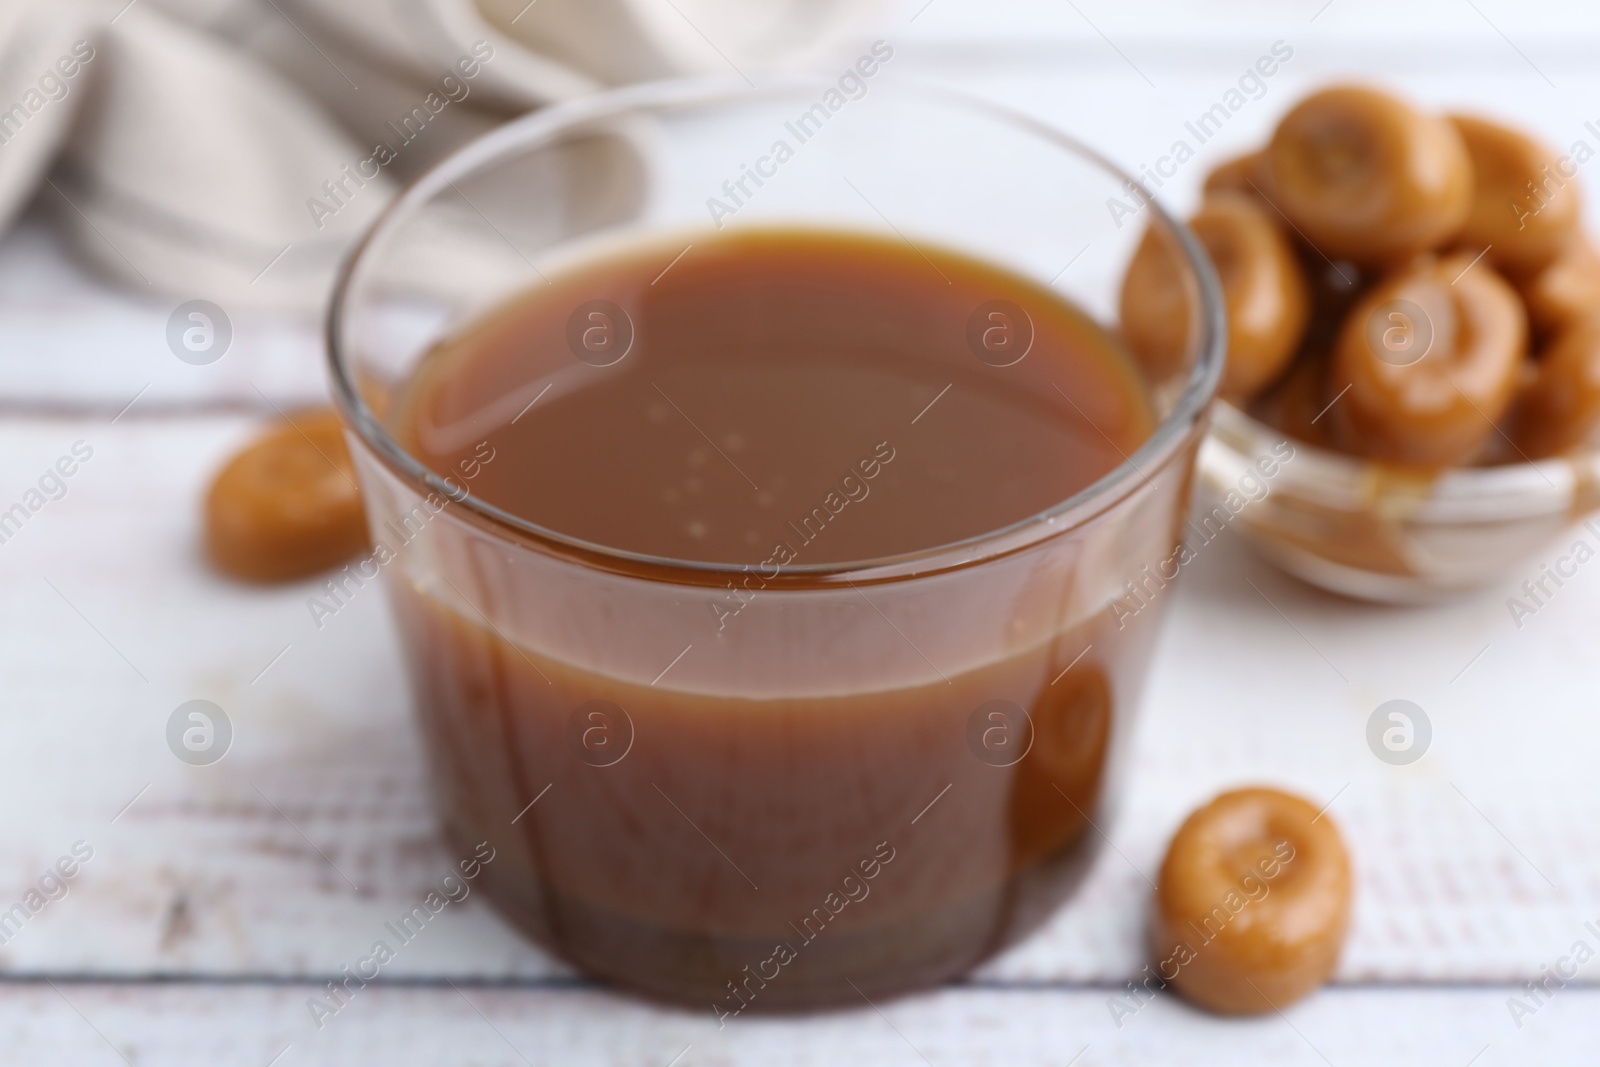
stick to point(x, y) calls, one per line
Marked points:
point(286, 506)
point(1367, 177)
point(1243, 174)
point(1431, 356)
point(1262, 286)
point(1560, 410)
point(1524, 210)
point(1565, 293)
point(1253, 903)
point(1157, 308)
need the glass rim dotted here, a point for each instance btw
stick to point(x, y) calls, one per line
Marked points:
point(547, 125)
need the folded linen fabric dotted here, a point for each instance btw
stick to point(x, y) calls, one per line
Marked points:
point(233, 149)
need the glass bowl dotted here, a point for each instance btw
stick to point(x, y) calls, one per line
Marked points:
point(1365, 530)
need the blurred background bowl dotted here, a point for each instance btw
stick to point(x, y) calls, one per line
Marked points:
point(1366, 530)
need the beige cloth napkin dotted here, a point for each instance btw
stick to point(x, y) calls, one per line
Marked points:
point(233, 149)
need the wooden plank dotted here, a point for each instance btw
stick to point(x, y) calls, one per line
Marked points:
point(240, 868)
point(443, 1027)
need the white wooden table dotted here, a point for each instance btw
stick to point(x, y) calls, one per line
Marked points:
point(219, 899)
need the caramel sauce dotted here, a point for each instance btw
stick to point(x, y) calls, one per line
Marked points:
point(775, 819)
point(762, 370)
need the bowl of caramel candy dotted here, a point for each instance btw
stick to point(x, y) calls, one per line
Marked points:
point(1411, 403)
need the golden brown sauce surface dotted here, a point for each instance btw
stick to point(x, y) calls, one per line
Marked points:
point(767, 394)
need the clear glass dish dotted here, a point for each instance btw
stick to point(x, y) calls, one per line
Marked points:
point(715, 795)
